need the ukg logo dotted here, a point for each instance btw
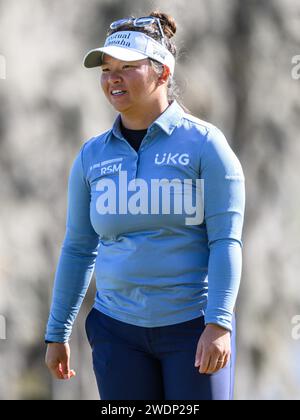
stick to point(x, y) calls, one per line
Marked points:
point(2, 67)
point(174, 159)
point(2, 328)
point(175, 196)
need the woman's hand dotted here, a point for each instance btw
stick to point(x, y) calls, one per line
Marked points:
point(213, 349)
point(58, 360)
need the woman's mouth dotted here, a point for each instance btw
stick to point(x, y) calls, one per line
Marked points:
point(117, 92)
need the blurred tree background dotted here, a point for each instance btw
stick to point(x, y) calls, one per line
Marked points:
point(235, 70)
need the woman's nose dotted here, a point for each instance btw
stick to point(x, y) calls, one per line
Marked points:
point(114, 77)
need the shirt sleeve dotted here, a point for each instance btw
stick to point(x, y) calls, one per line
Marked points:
point(224, 205)
point(77, 259)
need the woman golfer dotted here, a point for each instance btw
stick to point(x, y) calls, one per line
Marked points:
point(156, 205)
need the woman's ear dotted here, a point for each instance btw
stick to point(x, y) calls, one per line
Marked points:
point(163, 78)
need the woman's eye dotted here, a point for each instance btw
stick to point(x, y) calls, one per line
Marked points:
point(126, 66)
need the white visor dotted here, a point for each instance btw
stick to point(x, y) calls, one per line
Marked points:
point(130, 46)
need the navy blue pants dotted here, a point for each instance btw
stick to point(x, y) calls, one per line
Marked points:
point(140, 363)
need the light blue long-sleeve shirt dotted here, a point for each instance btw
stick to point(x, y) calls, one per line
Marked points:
point(152, 267)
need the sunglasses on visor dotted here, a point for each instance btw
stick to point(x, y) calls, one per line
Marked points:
point(139, 23)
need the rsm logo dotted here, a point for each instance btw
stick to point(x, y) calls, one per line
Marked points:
point(111, 169)
point(108, 166)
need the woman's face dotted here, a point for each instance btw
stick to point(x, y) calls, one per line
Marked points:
point(136, 79)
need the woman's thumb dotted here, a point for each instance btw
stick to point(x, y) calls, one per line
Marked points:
point(198, 356)
point(65, 369)
point(66, 372)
